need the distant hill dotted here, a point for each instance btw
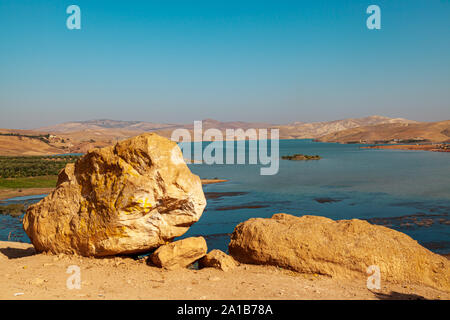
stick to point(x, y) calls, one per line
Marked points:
point(143, 126)
point(25, 142)
point(393, 132)
point(81, 136)
point(296, 130)
point(314, 130)
point(103, 124)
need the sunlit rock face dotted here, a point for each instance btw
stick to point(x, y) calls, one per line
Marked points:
point(343, 249)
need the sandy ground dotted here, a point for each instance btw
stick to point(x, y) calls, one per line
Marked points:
point(212, 181)
point(26, 275)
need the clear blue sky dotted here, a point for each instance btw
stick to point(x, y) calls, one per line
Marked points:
point(179, 61)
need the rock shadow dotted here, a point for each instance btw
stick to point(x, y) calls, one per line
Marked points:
point(15, 253)
point(393, 295)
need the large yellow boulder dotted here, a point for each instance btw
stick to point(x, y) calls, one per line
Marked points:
point(339, 249)
point(127, 198)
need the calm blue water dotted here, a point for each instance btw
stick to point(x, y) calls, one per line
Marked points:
point(405, 190)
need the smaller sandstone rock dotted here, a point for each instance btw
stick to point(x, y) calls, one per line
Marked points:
point(179, 254)
point(219, 260)
point(342, 249)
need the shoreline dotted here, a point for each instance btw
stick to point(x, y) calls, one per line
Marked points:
point(27, 275)
point(6, 194)
point(212, 181)
point(412, 147)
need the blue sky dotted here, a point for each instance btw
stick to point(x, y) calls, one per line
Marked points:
point(179, 61)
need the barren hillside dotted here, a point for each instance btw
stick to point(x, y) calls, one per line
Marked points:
point(299, 130)
point(393, 132)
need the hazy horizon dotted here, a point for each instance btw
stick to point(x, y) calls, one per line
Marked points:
point(253, 61)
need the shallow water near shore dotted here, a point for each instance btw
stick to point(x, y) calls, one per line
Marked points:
point(408, 191)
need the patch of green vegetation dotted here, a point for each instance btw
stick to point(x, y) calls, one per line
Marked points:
point(299, 156)
point(42, 137)
point(28, 182)
point(412, 140)
point(33, 166)
point(15, 210)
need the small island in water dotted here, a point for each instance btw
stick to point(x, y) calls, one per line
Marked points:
point(300, 156)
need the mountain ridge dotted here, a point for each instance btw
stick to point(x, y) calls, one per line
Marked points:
point(97, 124)
point(82, 136)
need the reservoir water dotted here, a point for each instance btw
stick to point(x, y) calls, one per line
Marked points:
point(405, 190)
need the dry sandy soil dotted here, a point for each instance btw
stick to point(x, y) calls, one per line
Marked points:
point(13, 146)
point(26, 275)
